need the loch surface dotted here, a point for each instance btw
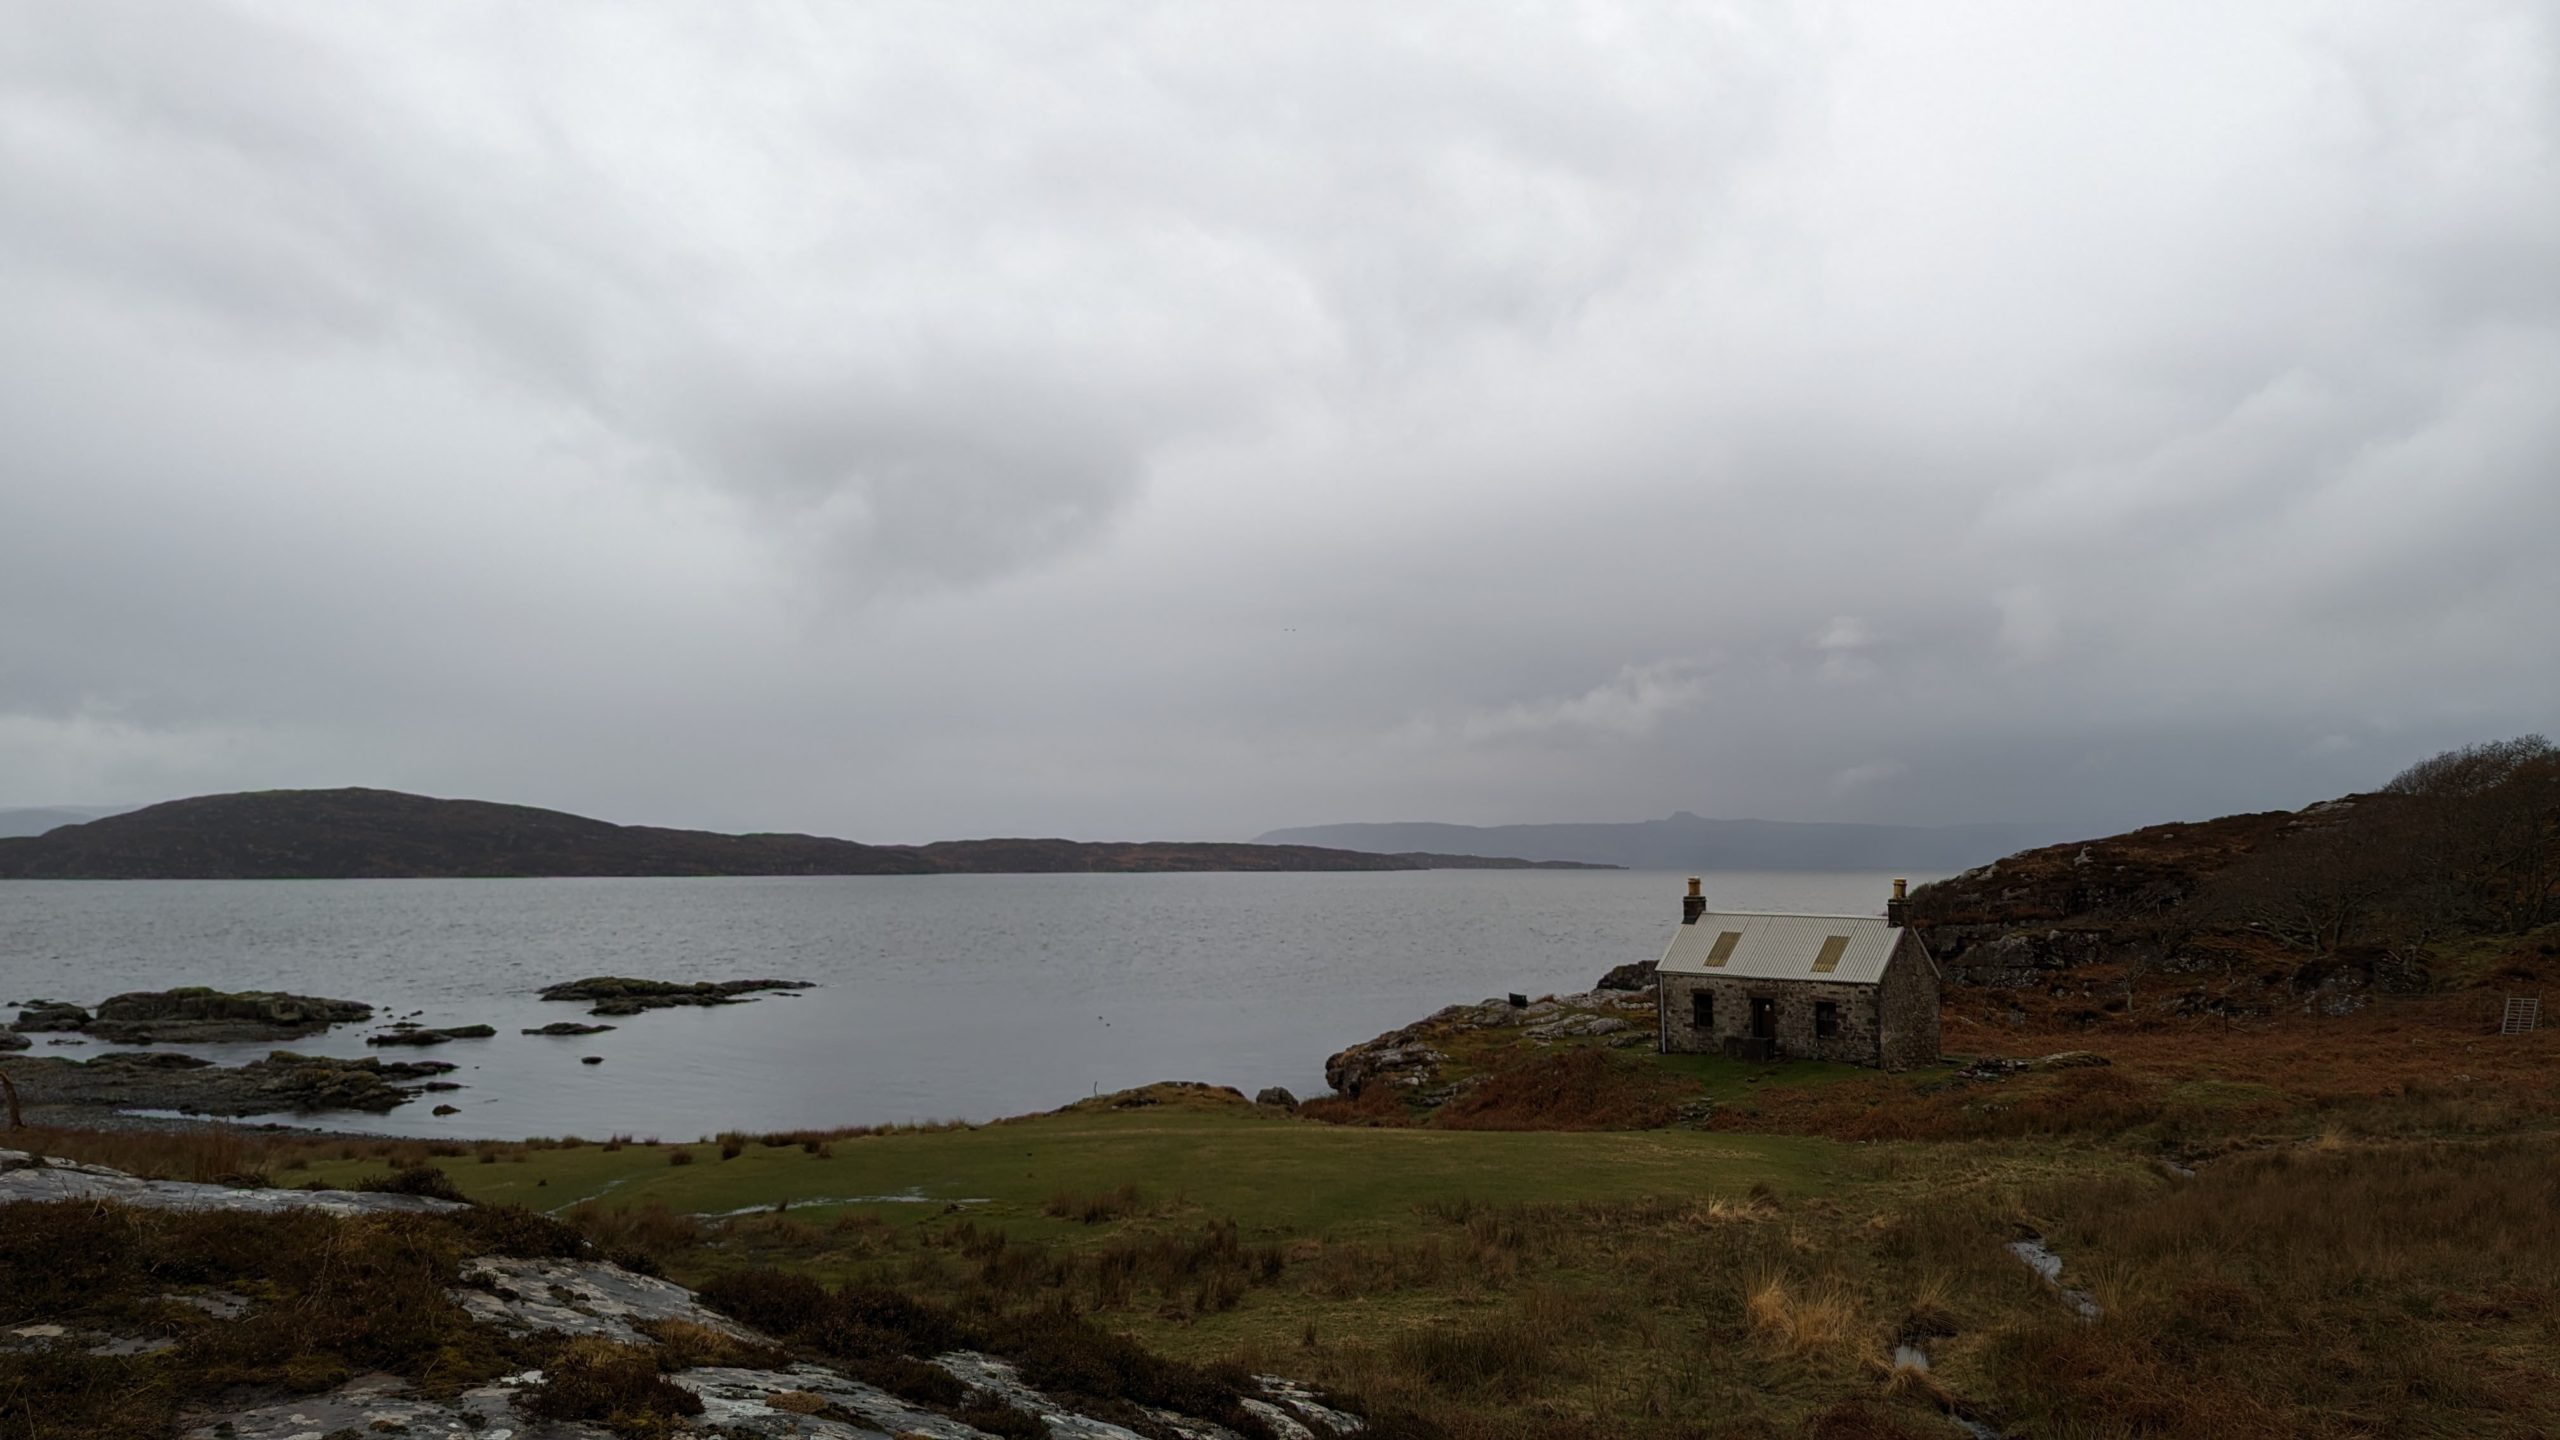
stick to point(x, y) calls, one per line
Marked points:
point(939, 997)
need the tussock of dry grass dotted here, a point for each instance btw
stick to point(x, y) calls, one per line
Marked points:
point(1801, 1318)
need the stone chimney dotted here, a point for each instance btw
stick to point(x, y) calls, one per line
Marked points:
point(1694, 904)
point(1897, 911)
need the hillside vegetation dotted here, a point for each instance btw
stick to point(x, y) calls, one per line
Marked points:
point(2439, 883)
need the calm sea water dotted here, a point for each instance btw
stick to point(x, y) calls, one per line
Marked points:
point(940, 997)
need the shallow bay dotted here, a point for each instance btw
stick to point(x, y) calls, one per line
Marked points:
point(939, 997)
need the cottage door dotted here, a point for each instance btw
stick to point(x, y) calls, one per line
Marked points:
point(1764, 1019)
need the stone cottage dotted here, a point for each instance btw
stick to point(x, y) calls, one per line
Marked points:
point(1858, 988)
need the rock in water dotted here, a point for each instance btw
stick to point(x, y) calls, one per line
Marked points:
point(43, 1015)
point(197, 1015)
point(568, 1027)
point(431, 1037)
point(621, 995)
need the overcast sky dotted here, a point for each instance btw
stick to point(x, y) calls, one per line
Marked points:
point(1178, 420)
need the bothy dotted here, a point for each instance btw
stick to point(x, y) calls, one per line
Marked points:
point(1855, 988)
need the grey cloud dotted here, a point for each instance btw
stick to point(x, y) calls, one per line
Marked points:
point(1134, 419)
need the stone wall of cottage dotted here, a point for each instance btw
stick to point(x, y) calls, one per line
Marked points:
point(1907, 1008)
point(1855, 1044)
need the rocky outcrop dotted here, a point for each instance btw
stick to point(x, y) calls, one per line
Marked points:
point(1414, 1061)
point(11, 1040)
point(580, 1297)
point(25, 1177)
point(1634, 975)
point(284, 1081)
point(761, 1393)
point(568, 1027)
point(620, 995)
point(1275, 1097)
point(194, 1015)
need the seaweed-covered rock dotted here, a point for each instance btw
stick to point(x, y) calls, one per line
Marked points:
point(622, 995)
point(568, 1027)
point(197, 1015)
point(45, 1015)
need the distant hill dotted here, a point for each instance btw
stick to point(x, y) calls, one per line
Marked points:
point(1693, 842)
point(383, 834)
point(36, 820)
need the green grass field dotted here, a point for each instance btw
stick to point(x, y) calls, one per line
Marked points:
point(1271, 1174)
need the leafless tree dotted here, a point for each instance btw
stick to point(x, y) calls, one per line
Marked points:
point(2481, 826)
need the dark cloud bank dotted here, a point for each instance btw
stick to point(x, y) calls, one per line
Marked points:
point(1159, 420)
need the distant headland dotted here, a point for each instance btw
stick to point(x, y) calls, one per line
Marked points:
point(385, 834)
point(1695, 842)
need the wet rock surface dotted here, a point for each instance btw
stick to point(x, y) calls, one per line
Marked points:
point(568, 1027)
point(25, 1177)
point(165, 1080)
point(621, 995)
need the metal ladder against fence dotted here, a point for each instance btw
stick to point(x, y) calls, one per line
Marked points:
point(2524, 1015)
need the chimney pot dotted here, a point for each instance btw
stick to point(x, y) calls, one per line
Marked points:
point(1897, 911)
point(1694, 904)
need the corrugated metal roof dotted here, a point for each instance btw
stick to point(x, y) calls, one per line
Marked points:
point(1784, 947)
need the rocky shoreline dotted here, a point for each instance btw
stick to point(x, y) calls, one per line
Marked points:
point(100, 1091)
point(161, 1080)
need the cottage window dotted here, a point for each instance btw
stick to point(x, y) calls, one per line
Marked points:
point(1826, 1018)
point(1702, 1010)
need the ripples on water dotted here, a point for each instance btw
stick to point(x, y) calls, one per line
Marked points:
point(947, 996)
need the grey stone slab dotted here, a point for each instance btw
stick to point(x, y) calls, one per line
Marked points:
point(740, 1399)
point(999, 1378)
point(25, 1177)
point(373, 1405)
point(580, 1297)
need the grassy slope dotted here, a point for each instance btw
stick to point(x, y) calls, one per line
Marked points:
point(1271, 1174)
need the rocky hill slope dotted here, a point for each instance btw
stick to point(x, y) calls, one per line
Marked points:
point(383, 834)
point(2446, 877)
